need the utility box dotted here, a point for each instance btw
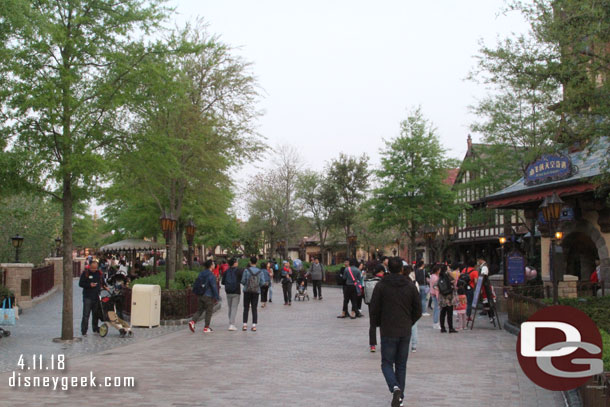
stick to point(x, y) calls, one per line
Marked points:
point(146, 305)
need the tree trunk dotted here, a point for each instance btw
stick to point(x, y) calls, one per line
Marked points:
point(179, 252)
point(67, 317)
point(412, 237)
point(170, 267)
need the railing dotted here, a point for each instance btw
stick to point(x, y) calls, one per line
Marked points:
point(521, 307)
point(42, 280)
point(589, 289)
point(76, 269)
point(596, 392)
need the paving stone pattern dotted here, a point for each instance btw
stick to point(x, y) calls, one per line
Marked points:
point(301, 356)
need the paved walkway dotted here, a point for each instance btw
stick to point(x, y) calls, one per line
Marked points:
point(301, 356)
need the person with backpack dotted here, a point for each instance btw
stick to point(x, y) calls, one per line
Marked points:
point(473, 276)
point(287, 283)
point(266, 268)
point(462, 282)
point(231, 279)
point(252, 280)
point(446, 285)
point(206, 290)
point(395, 307)
point(423, 279)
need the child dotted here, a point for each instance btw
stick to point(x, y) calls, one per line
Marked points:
point(461, 307)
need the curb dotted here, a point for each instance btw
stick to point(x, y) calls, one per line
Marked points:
point(571, 397)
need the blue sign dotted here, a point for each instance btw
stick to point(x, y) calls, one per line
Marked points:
point(515, 268)
point(548, 168)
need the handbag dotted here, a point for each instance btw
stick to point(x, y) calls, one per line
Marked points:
point(356, 283)
point(7, 314)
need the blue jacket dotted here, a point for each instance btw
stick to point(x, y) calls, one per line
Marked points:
point(211, 289)
point(253, 270)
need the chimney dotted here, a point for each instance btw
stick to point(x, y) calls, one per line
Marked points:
point(469, 141)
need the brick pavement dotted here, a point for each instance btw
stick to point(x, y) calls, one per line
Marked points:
point(300, 356)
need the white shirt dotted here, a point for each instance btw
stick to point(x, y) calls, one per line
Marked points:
point(484, 269)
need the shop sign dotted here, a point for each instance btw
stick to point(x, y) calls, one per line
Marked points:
point(548, 168)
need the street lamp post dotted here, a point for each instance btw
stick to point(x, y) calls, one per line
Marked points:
point(502, 241)
point(17, 242)
point(430, 235)
point(57, 246)
point(168, 224)
point(551, 211)
point(190, 235)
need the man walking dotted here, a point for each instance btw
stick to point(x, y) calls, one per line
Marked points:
point(395, 307)
point(92, 281)
point(231, 280)
point(316, 271)
point(207, 295)
point(252, 280)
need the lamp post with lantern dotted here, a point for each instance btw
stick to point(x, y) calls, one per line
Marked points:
point(168, 224)
point(502, 240)
point(551, 212)
point(190, 235)
point(17, 241)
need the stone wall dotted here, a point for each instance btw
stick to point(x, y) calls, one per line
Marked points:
point(58, 265)
point(19, 281)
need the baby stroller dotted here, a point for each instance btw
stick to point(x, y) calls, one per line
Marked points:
point(301, 294)
point(4, 333)
point(108, 300)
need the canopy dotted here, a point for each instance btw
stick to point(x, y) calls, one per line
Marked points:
point(137, 245)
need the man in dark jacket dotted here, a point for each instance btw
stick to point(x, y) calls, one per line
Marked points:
point(92, 281)
point(207, 300)
point(395, 307)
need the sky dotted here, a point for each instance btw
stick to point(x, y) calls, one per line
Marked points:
point(339, 76)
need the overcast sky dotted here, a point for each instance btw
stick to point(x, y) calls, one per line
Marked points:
point(339, 75)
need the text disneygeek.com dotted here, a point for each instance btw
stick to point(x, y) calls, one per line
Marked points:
point(65, 383)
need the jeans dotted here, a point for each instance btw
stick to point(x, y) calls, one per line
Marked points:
point(264, 292)
point(413, 336)
point(394, 355)
point(423, 295)
point(251, 299)
point(447, 312)
point(90, 306)
point(317, 288)
point(435, 313)
point(205, 305)
point(232, 304)
point(287, 289)
point(270, 292)
point(469, 298)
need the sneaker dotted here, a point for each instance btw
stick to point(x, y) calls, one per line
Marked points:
point(192, 326)
point(425, 314)
point(443, 330)
point(373, 349)
point(452, 331)
point(402, 403)
point(244, 328)
point(396, 397)
point(207, 329)
point(436, 326)
point(254, 327)
point(232, 328)
point(320, 298)
point(413, 349)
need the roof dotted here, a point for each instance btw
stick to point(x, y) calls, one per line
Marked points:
point(130, 244)
point(451, 176)
point(588, 164)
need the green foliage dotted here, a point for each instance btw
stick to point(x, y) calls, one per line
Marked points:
point(606, 349)
point(412, 193)
point(595, 307)
point(184, 279)
point(36, 219)
point(5, 293)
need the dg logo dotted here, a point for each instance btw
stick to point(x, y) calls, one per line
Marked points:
point(560, 348)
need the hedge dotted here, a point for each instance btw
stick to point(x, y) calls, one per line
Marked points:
point(183, 279)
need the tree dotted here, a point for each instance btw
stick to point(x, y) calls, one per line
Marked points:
point(317, 199)
point(349, 179)
point(66, 67)
point(412, 194)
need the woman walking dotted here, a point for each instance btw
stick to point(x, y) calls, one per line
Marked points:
point(434, 276)
point(287, 283)
point(264, 266)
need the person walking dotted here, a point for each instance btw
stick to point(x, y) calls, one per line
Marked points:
point(286, 274)
point(423, 280)
point(434, 295)
point(270, 272)
point(231, 280)
point(351, 275)
point(395, 307)
point(409, 272)
point(91, 281)
point(265, 265)
point(252, 280)
point(317, 274)
point(206, 289)
point(446, 287)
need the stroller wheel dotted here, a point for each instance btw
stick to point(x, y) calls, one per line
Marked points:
point(103, 330)
point(130, 334)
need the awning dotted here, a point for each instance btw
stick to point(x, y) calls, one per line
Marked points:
point(536, 196)
point(126, 245)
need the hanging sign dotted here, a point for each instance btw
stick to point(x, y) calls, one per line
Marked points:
point(548, 168)
point(515, 268)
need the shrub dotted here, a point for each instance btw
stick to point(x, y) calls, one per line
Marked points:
point(184, 279)
point(6, 293)
point(606, 346)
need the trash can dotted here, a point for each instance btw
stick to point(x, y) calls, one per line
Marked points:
point(146, 305)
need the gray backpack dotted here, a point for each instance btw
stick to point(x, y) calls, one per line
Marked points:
point(253, 284)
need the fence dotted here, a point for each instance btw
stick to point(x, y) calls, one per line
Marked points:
point(76, 269)
point(596, 392)
point(521, 307)
point(42, 280)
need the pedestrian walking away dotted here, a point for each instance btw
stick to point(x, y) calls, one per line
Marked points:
point(395, 307)
point(265, 266)
point(92, 281)
point(317, 274)
point(252, 280)
point(206, 290)
point(423, 280)
point(351, 275)
point(231, 279)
